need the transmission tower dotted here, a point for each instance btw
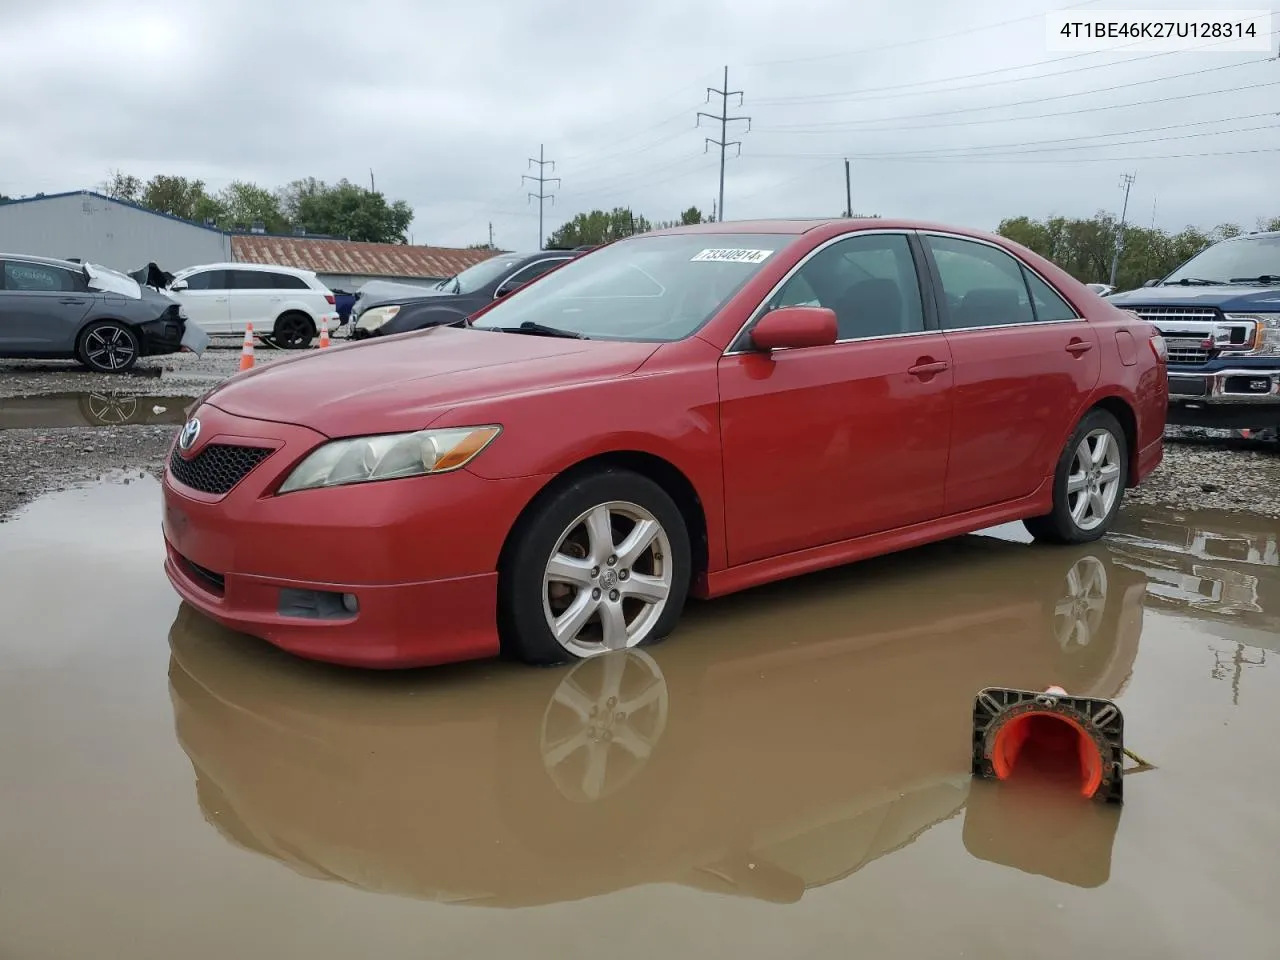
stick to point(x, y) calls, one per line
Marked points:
point(541, 180)
point(1126, 181)
point(724, 118)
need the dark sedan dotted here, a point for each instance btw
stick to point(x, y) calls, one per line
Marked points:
point(60, 310)
point(451, 300)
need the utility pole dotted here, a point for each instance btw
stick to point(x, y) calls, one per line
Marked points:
point(541, 180)
point(372, 188)
point(713, 210)
point(1153, 212)
point(490, 234)
point(725, 120)
point(848, 191)
point(1126, 181)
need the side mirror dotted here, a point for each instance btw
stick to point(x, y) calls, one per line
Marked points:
point(178, 285)
point(1151, 283)
point(788, 328)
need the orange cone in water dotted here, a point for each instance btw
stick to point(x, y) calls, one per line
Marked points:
point(246, 352)
point(1052, 735)
point(324, 332)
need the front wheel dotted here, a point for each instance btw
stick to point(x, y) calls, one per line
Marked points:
point(1088, 484)
point(603, 564)
point(108, 347)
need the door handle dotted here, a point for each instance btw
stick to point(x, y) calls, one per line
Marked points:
point(925, 367)
point(1078, 347)
point(73, 301)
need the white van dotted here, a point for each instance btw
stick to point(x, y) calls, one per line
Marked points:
point(284, 304)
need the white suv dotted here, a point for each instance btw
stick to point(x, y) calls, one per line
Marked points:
point(285, 305)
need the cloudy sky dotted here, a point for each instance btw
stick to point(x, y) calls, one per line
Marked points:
point(951, 111)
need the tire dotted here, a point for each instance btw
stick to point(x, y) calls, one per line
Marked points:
point(293, 331)
point(108, 346)
point(614, 606)
point(1104, 483)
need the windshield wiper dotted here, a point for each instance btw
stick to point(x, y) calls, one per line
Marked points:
point(1265, 278)
point(1189, 281)
point(541, 330)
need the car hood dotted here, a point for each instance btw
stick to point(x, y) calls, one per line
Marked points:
point(404, 382)
point(377, 293)
point(1231, 298)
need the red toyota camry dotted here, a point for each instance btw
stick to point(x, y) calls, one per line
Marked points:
point(694, 411)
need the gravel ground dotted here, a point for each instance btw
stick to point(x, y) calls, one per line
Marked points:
point(1199, 469)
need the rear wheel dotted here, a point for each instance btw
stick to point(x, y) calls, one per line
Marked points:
point(293, 331)
point(108, 346)
point(1088, 484)
point(603, 564)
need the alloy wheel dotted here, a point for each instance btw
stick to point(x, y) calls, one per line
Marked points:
point(109, 348)
point(1094, 481)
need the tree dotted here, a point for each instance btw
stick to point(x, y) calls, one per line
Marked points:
point(597, 227)
point(122, 186)
point(181, 197)
point(345, 210)
point(1272, 224)
point(245, 204)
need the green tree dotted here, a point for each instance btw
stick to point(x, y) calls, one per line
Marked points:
point(1272, 224)
point(181, 197)
point(691, 216)
point(244, 204)
point(345, 210)
point(598, 227)
point(122, 186)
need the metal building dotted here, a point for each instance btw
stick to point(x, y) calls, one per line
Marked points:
point(89, 226)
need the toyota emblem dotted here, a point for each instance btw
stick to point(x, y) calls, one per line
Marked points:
point(190, 431)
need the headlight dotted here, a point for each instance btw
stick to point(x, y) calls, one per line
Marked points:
point(377, 317)
point(389, 456)
point(1266, 341)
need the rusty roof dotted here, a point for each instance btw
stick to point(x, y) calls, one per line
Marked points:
point(355, 258)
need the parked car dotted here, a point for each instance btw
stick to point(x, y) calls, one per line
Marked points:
point(1101, 289)
point(284, 304)
point(1220, 316)
point(699, 410)
point(59, 310)
point(451, 300)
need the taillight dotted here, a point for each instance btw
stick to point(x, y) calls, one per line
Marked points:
point(1159, 347)
point(330, 299)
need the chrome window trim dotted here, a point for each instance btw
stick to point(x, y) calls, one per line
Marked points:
point(925, 234)
point(530, 266)
point(777, 287)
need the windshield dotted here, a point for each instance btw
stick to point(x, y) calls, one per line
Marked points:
point(486, 271)
point(647, 288)
point(1232, 259)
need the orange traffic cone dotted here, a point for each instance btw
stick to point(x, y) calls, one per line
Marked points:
point(246, 352)
point(324, 332)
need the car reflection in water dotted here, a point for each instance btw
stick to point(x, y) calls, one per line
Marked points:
point(106, 408)
point(783, 739)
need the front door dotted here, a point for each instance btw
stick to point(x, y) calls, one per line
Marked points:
point(41, 307)
point(255, 299)
point(205, 300)
point(824, 444)
point(1025, 363)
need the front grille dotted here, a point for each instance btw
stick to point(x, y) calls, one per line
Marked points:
point(218, 467)
point(213, 582)
point(1188, 355)
point(1163, 315)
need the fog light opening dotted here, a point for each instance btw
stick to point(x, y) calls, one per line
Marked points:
point(350, 603)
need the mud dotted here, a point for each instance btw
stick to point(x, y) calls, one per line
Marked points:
point(788, 775)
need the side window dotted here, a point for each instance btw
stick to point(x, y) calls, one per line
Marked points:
point(528, 274)
point(981, 286)
point(869, 281)
point(38, 278)
point(286, 281)
point(207, 280)
point(1048, 302)
point(250, 280)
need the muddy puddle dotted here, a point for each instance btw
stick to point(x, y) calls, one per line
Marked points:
point(788, 775)
point(91, 409)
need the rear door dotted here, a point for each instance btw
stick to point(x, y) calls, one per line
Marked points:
point(1025, 363)
point(206, 300)
point(824, 444)
point(41, 308)
point(255, 299)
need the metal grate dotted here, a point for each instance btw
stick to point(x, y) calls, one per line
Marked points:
point(218, 467)
point(1157, 314)
point(1189, 355)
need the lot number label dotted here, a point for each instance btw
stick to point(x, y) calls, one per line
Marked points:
point(733, 256)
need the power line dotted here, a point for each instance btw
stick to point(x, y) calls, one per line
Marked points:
point(541, 180)
point(1014, 160)
point(725, 120)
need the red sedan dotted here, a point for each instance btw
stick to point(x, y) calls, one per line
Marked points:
point(695, 411)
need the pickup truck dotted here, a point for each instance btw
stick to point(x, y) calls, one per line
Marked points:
point(1219, 314)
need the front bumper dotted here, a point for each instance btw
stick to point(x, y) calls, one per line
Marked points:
point(419, 555)
point(1235, 397)
point(159, 337)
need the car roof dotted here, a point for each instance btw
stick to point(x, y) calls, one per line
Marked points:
point(274, 268)
point(48, 261)
point(831, 225)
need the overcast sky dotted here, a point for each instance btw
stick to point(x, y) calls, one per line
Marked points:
point(943, 106)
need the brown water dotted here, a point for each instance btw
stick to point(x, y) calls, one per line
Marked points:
point(107, 408)
point(787, 776)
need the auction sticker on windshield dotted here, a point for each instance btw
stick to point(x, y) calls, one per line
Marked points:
point(732, 256)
